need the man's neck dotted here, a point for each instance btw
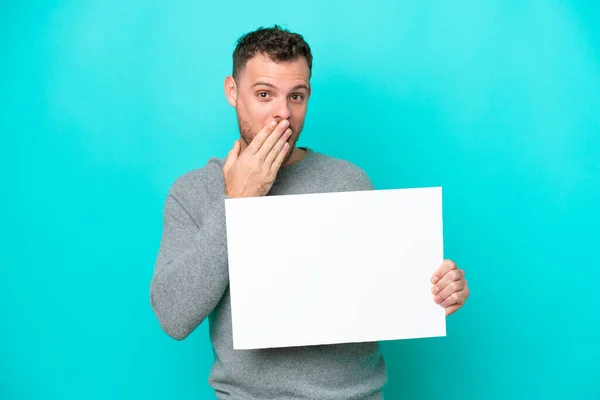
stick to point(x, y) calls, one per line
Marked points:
point(297, 155)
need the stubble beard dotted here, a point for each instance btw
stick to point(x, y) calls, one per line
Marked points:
point(247, 134)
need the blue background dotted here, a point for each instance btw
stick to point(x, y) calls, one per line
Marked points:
point(103, 104)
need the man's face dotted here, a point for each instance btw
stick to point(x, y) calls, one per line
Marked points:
point(267, 90)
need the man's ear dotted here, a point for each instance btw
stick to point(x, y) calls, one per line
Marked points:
point(231, 91)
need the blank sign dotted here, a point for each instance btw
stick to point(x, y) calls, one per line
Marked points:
point(334, 267)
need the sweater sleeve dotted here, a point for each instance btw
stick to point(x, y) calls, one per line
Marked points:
point(190, 274)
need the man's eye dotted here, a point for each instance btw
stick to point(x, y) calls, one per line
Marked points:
point(263, 95)
point(297, 97)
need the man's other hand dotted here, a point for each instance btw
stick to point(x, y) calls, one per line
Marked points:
point(450, 288)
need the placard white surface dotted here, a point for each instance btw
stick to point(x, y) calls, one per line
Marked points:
point(329, 268)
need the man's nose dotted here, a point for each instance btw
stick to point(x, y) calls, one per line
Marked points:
point(282, 110)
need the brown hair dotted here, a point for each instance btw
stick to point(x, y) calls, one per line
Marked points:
point(278, 43)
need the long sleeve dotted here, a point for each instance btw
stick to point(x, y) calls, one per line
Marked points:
point(190, 274)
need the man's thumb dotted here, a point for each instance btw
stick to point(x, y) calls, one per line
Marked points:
point(233, 155)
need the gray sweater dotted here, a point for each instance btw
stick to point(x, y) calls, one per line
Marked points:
point(190, 283)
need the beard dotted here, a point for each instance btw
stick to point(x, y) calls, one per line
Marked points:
point(247, 135)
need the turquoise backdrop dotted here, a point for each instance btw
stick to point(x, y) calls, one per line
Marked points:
point(103, 104)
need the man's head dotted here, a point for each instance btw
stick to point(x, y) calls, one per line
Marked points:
point(270, 81)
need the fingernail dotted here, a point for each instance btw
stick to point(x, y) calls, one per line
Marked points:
point(274, 123)
point(435, 279)
point(436, 290)
point(285, 123)
point(436, 299)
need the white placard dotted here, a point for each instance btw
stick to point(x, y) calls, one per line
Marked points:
point(334, 267)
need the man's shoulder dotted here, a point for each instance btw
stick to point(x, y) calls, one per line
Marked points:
point(341, 165)
point(199, 179)
point(323, 160)
point(343, 171)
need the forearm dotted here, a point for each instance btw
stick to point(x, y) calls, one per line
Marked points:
point(191, 272)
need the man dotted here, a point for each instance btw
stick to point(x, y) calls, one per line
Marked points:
point(269, 88)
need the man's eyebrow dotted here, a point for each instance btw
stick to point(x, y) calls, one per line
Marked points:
point(263, 84)
point(300, 86)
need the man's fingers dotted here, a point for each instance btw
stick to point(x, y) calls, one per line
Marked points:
point(272, 140)
point(261, 137)
point(280, 157)
point(452, 309)
point(278, 148)
point(456, 298)
point(452, 287)
point(446, 267)
point(450, 277)
point(232, 155)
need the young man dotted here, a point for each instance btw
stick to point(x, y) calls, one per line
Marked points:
point(270, 89)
